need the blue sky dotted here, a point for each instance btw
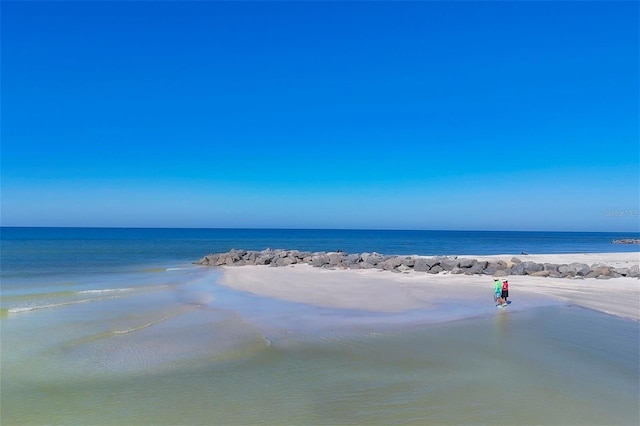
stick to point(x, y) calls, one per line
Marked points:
point(412, 115)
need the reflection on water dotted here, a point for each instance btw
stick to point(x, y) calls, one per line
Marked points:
point(176, 348)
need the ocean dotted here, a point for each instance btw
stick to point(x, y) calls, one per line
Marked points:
point(118, 327)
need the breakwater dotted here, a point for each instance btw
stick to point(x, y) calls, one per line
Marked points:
point(626, 241)
point(432, 265)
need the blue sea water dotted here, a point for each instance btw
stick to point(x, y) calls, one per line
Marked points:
point(117, 326)
point(46, 251)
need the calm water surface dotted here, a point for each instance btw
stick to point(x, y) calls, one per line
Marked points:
point(119, 328)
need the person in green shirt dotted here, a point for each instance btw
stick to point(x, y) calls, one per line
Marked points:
point(497, 296)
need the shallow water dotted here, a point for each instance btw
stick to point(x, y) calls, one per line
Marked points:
point(171, 346)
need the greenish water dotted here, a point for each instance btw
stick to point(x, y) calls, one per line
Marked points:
point(184, 350)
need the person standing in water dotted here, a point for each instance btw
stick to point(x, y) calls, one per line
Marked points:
point(505, 291)
point(498, 291)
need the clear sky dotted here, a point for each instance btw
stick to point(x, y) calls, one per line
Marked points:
point(376, 115)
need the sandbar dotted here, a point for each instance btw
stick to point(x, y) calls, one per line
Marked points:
point(389, 292)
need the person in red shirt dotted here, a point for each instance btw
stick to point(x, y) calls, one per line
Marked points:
point(505, 291)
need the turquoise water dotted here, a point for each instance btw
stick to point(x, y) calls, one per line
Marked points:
point(146, 338)
point(174, 347)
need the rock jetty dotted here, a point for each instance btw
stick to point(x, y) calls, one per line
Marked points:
point(626, 241)
point(431, 265)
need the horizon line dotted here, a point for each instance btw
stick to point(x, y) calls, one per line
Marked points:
point(305, 229)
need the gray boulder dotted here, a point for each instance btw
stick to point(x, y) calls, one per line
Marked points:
point(335, 259)
point(601, 271)
point(579, 269)
point(373, 258)
point(490, 269)
point(263, 259)
point(250, 257)
point(403, 268)
point(436, 269)
point(391, 263)
point(353, 258)
point(466, 263)
point(531, 268)
point(432, 261)
point(478, 267)
point(449, 263)
point(320, 260)
point(517, 269)
point(634, 271)
point(284, 261)
point(421, 265)
point(409, 261)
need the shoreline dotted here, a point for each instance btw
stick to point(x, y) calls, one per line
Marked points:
point(383, 291)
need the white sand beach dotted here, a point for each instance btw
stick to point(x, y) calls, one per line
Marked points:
point(383, 291)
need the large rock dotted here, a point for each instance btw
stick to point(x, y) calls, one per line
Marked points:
point(433, 261)
point(409, 261)
point(477, 267)
point(263, 259)
point(373, 258)
point(517, 269)
point(531, 268)
point(403, 268)
point(391, 263)
point(436, 269)
point(449, 263)
point(250, 257)
point(285, 261)
point(499, 267)
point(490, 269)
point(623, 272)
point(466, 263)
point(353, 258)
point(600, 271)
point(320, 260)
point(421, 265)
point(579, 269)
point(335, 259)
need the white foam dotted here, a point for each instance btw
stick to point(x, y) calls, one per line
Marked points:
point(143, 326)
point(106, 290)
point(22, 309)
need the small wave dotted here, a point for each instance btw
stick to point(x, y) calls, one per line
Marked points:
point(153, 270)
point(23, 309)
point(143, 326)
point(106, 290)
point(32, 296)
